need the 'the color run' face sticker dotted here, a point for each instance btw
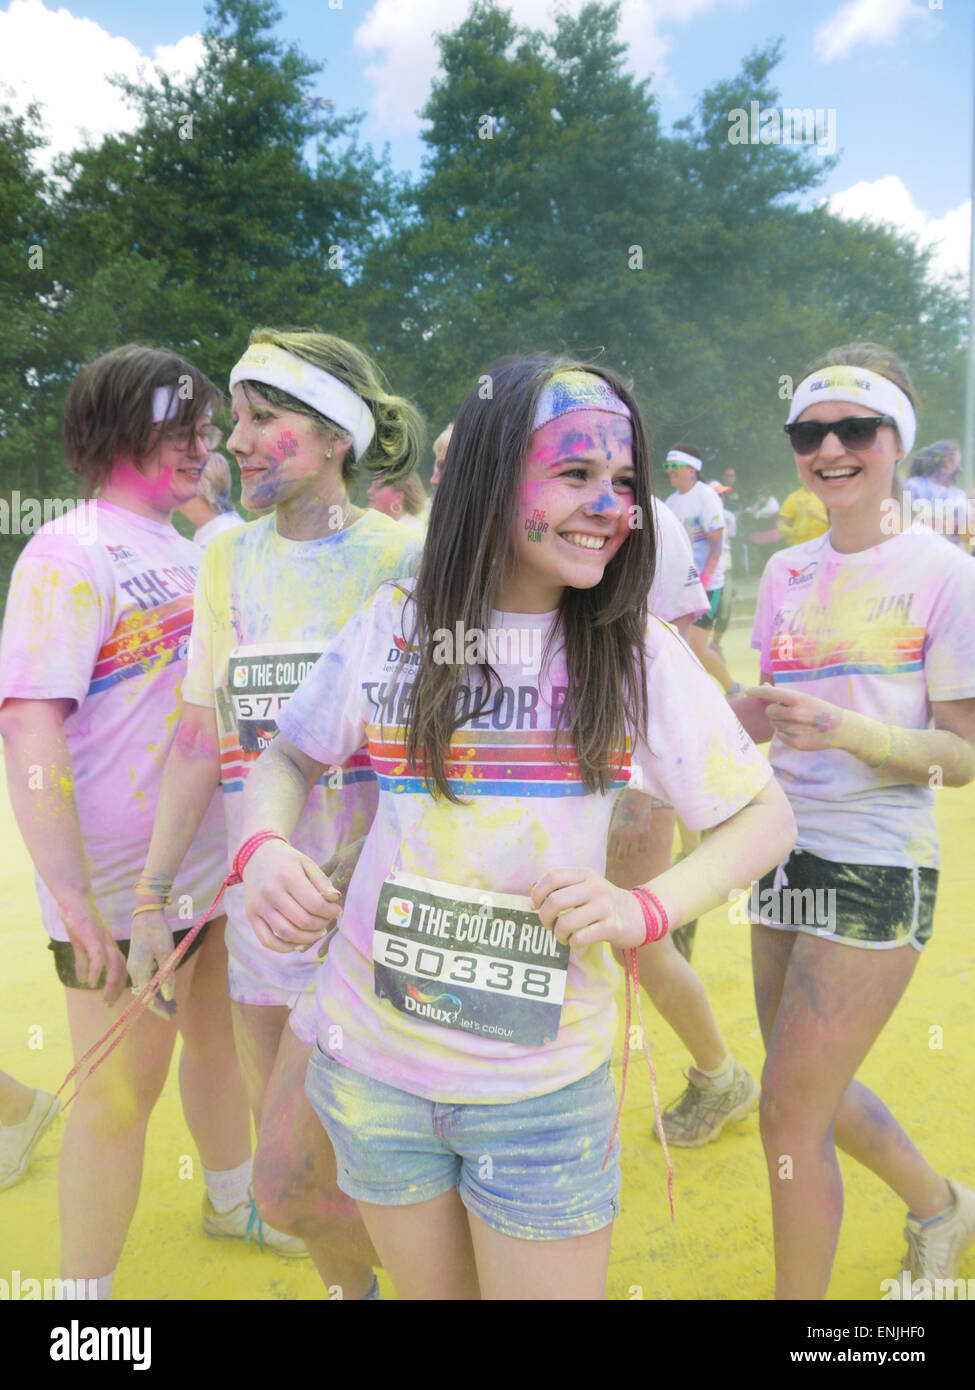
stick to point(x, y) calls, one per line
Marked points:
point(262, 679)
point(461, 958)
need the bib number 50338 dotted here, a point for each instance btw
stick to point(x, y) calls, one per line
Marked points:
point(504, 976)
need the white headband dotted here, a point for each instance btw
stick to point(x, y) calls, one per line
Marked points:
point(860, 387)
point(165, 404)
point(675, 456)
point(273, 366)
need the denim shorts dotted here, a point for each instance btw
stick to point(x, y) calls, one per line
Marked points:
point(873, 906)
point(530, 1169)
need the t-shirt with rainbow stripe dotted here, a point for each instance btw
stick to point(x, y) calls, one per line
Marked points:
point(266, 607)
point(885, 632)
point(106, 624)
point(524, 812)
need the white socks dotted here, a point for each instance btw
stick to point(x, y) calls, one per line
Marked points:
point(230, 1188)
point(722, 1077)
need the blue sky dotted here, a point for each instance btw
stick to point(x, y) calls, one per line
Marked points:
point(896, 73)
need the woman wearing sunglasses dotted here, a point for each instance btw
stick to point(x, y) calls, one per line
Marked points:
point(868, 695)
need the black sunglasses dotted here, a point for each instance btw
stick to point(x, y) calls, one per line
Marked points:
point(856, 432)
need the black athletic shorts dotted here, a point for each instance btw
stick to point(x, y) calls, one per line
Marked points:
point(64, 957)
point(874, 906)
point(707, 619)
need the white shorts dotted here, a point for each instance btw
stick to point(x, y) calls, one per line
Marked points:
point(257, 975)
point(302, 1018)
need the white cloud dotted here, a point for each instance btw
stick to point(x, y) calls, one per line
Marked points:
point(397, 36)
point(67, 62)
point(887, 200)
point(865, 22)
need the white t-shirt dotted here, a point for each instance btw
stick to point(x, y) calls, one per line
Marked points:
point(730, 532)
point(676, 590)
point(449, 1003)
point(225, 521)
point(265, 609)
point(106, 625)
point(884, 632)
point(701, 512)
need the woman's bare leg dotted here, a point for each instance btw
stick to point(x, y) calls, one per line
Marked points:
point(258, 1029)
point(104, 1138)
point(552, 1270)
point(15, 1100)
point(832, 1003)
point(426, 1248)
point(295, 1178)
point(214, 1097)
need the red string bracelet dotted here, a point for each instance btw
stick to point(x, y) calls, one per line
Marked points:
point(629, 961)
point(129, 1015)
point(654, 915)
point(657, 925)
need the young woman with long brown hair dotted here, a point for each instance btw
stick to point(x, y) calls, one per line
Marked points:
point(466, 1021)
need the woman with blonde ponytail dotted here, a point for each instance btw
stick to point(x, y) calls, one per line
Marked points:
point(309, 411)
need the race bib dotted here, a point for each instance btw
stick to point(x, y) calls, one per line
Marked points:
point(261, 681)
point(462, 958)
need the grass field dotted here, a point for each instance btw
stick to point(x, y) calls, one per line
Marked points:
point(720, 1247)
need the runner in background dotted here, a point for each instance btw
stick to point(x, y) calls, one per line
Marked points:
point(93, 656)
point(722, 615)
point(802, 518)
point(641, 846)
point(732, 504)
point(25, 1115)
point(211, 510)
point(933, 492)
point(405, 501)
point(696, 506)
point(309, 410)
point(868, 694)
point(440, 446)
point(462, 1067)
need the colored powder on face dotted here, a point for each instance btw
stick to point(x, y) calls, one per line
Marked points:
point(606, 501)
point(576, 441)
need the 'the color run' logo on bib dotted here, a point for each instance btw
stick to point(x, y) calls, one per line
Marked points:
point(462, 958)
point(262, 679)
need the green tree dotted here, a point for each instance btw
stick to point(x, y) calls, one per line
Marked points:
point(214, 198)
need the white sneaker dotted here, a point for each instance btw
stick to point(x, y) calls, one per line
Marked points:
point(243, 1222)
point(17, 1142)
point(935, 1251)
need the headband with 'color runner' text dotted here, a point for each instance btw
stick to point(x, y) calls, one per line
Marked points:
point(269, 365)
point(858, 386)
point(574, 390)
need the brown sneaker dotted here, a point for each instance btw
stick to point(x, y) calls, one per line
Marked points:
point(702, 1111)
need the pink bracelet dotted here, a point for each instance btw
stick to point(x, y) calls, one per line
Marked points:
point(654, 915)
point(247, 849)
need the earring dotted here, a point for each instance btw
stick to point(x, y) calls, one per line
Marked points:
point(329, 454)
point(396, 508)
